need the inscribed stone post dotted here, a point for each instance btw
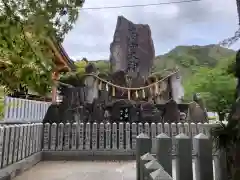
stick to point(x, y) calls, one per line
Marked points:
point(203, 165)
point(74, 137)
point(53, 136)
point(114, 136)
point(159, 128)
point(16, 143)
point(167, 129)
point(164, 152)
point(35, 138)
point(1, 145)
point(101, 136)
point(40, 140)
point(108, 136)
point(67, 129)
point(128, 136)
point(81, 136)
point(94, 136)
point(121, 136)
point(180, 127)
point(24, 141)
point(11, 144)
point(6, 144)
point(134, 135)
point(146, 129)
point(153, 136)
point(173, 134)
point(46, 136)
point(88, 136)
point(140, 128)
point(20, 144)
point(60, 137)
point(193, 131)
point(183, 157)
point(186, 129)
point(30, 139)
point(143, 146)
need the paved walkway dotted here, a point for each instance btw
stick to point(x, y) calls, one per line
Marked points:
point(84, 170)
point(70, 170)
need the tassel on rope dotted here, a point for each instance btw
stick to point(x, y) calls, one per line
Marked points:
point(107, 88)
point(113, 91)
point(156, 89)
point(100, 85)
point(129, 94)
point(136, 94)
point(143, 93)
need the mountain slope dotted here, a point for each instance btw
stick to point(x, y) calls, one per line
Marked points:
point(187, 58)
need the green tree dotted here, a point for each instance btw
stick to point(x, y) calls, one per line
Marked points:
point(217, 88)
point(24, 30)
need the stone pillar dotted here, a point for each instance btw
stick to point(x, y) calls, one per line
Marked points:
point(2, 137)
point(67, 129)
point(143, 146)
point(6, 144)
point(134, 135)
point(167, 129)
point(101, 136)
point(46, 136)
point(81, 136)
point(128, 136)
point(108, 136)
point(16, 143)
point(11, 144)
point(159, 128)
point(60, 136)
point(203, 149)
point(121, 136)
point(20, 144)
point(88, 136)
point(164, 152)
point(180, 127)
point(184, 157)
point(94, 136)
point(114, 136)
point(140, 128)
point(53, 137)
point(74, 137)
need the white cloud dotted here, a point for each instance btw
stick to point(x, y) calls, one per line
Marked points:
point(171, 25)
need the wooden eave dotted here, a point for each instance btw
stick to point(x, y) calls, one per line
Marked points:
point(61, 59)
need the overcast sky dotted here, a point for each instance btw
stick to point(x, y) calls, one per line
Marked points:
point(196, 23)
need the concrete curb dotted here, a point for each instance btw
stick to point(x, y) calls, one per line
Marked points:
point(11, 171)
point(88, 155)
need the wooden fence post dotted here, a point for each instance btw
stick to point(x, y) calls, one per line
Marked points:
point(184, 157)
point(164, 152)
point(143, 146)
point(203, 150)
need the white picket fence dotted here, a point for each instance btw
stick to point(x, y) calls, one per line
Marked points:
point(24, 110)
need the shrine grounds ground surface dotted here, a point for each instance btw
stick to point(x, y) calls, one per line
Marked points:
point(84, 170)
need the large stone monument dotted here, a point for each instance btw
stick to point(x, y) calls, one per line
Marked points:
point(132, 49)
